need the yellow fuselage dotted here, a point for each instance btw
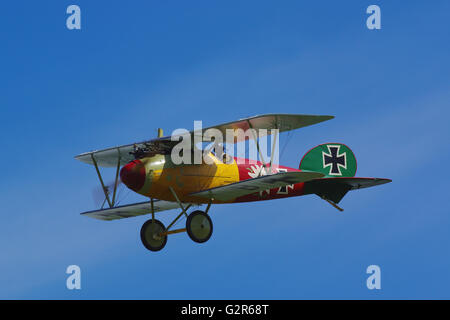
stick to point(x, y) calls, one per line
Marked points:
point(161, 175)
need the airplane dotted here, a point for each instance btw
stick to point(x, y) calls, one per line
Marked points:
point(147, 168)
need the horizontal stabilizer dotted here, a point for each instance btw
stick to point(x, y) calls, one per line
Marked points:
point(131, 210)
point(335, 189)
point(242, 188)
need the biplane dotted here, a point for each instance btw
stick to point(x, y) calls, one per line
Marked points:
point(327, 170)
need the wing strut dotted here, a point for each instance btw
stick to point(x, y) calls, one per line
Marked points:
point(117, 178)
point(273, 146)
point(259, 149)
point(105, 189)
point(257, 143)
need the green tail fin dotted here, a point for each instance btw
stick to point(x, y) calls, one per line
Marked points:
point(331, 159)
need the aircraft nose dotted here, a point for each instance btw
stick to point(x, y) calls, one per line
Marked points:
point(133, 175)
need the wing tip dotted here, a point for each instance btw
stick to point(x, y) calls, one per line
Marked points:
point(327, 117)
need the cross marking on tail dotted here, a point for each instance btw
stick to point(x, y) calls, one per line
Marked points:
point(334, 160)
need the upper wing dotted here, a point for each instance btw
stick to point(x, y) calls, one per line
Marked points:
point(283, 122)
point(110, 156)
point(242, 188)
point(131, 210)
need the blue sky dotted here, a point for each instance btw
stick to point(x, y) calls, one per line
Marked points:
point(135, 67)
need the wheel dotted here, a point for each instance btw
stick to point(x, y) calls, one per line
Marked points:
point(150, 235)
point(199, 226)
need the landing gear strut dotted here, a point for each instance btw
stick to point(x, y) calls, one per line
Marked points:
point(199, 227)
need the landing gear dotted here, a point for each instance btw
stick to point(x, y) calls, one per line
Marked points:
point(151, 235)
point(199, 226)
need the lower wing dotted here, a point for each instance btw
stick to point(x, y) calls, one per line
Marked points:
point(131, 210)
point(242, 188)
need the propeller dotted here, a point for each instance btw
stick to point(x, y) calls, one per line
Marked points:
point(98, 195)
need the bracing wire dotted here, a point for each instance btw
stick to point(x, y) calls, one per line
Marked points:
point(288, 138)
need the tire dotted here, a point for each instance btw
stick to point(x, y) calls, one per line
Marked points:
point(199, 226)
point(149, 231)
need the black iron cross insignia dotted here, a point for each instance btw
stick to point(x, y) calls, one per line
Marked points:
point(334, 160)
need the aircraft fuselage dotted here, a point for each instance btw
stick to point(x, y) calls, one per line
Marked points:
point(154, 176)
